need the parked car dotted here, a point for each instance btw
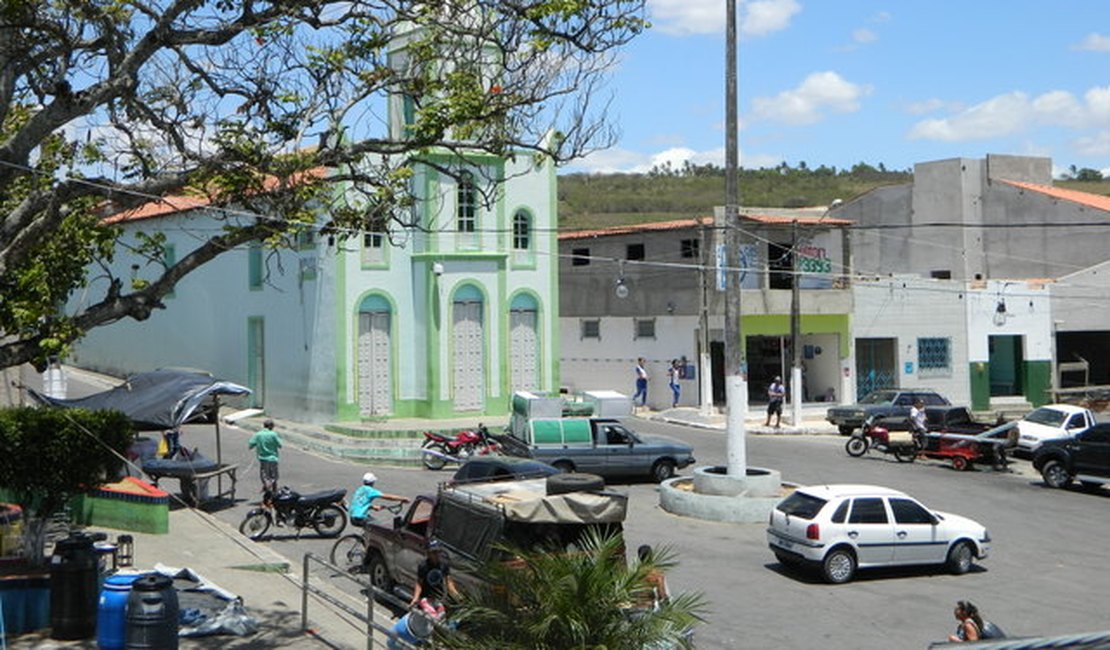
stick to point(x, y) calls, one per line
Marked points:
point(603, 446)
point(1049, 422)
point(838, 529)
point(884, 403)
point(501, 468)
point(1086, 457)
point(941, 419)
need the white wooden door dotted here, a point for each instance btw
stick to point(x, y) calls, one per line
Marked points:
point(523, 350)
point(375, 387)
point(469, 362)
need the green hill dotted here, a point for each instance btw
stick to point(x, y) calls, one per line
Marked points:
point(603, 200)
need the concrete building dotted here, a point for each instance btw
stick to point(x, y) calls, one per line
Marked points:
point(640, 291)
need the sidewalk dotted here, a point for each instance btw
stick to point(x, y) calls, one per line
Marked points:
point(812, 422)
point(269, 584)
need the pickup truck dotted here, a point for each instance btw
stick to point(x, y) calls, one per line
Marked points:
point(1048, 422)
point(942, 419)
point(602, 446)
point(1086, 457)
point(474, 520)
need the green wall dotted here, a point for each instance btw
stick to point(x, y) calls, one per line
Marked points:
point(1036, 378)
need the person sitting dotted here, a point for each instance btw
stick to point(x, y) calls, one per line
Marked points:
point(363, 500)
point(917, 423)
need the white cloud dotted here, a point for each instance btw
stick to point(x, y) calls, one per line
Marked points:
point(686, 17)
point(806, 103)
point(864, 35)
point(613, 161)
point(1096, 145)
point(761, 17)
point(1094, 43)
point(1015, 112)
point(930, 106)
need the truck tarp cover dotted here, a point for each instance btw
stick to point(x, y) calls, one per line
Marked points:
point(528, 501)
point(160, 399)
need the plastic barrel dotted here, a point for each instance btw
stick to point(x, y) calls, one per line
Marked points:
point(111, 614)
point(151, 614)
point(73, 588)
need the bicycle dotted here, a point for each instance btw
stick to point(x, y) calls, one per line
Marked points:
point(349, 552)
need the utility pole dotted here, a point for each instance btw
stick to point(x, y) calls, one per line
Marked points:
point(736, 390)
point(796, 389)
point(704, 360)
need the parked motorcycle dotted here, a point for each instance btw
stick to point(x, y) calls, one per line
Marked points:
point(323, 511)
point(438, 449)
point(902, 444)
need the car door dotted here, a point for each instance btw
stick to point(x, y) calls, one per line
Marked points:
point(917, 538)
point(870, 530)
point(619, 446)
point(413, 534)
point(1092, 454)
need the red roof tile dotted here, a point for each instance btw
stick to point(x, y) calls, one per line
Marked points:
point(1097, 201)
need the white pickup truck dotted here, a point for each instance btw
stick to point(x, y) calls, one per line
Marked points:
point(1048, 422)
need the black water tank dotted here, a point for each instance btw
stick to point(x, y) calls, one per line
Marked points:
point(152, 614)
point(74, 588)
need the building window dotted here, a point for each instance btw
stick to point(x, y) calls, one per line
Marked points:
point(580, 257)
point(254, 267)
point(306, 238)
point(522, 231)
point(645, 328)
point(941, 275)
point(373, 241)
point(467, 204)
point(934, 355)
point(635, 252)
point(691, 248)
point(591, 329)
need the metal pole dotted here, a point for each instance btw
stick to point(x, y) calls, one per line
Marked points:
point(219, 453)
point(797, 391)
point(735, 384)
point(705, 361)
point(370, 619)
point(304, 596)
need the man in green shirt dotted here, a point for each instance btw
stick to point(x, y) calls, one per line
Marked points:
point(267, 445)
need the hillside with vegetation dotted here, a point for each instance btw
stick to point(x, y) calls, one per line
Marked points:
point(663, 194)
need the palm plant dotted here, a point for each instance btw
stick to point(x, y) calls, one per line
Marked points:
point(548, 599)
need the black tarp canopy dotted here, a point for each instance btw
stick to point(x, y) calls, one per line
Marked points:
point(161, 399)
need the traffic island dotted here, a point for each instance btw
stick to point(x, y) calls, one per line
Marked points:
point(714, 495)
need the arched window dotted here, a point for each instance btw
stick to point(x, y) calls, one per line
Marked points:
point(522, 231)
point(467, 202)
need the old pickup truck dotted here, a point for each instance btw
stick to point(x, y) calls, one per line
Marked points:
point(603, 446)
point(473, 521)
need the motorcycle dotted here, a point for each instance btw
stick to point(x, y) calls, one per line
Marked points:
point(439, 449)
point(902, 444)
point(323, 511)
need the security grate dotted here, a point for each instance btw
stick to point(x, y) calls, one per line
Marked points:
point(933, 354)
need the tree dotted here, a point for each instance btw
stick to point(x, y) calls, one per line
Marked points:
point(106, 105)
point(554, 600)
point(47, 456)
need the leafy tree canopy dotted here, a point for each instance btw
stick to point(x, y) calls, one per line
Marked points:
point(109, 104)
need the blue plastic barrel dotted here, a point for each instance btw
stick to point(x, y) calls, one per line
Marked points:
point(152, 613)
point(111, 614)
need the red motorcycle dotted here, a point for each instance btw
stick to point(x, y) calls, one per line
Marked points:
point(438, 449)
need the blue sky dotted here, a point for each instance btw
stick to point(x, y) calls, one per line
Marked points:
point(893, 82)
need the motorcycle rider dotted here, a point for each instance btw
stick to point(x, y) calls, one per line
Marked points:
point(363, 500)
point(917, 423)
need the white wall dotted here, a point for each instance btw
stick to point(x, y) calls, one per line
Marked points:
point(1028, 314)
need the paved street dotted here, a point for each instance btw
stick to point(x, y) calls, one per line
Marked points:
point(1045, 576)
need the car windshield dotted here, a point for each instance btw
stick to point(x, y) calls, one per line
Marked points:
point(802, 505)
point(1046, 416)
point(879, 397)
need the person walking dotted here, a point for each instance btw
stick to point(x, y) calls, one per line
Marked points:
point(776, 393)
point(641, 382)
point(674, 373)
point(971, 625)
point(267, 445)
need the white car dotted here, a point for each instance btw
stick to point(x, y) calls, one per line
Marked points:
point(840, 528)
point(1049, 422)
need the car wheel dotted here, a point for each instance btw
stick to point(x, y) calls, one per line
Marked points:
point(564, 466)
point(845, 430)
point(379, 572)
point(572, 482)
point(434, 461)
point(839, 566)
point(959, 463)
point(1055, 474)
point(662, 470)
point(856, 446)
point(960, 557)
point(329, 521)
